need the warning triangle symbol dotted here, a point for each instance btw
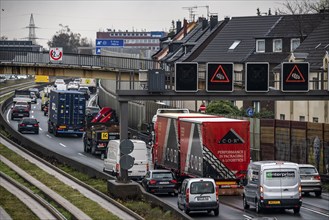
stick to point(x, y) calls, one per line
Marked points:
point(295, 75)
point(219, 75)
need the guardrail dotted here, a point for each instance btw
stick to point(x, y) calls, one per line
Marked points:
point(82, 60)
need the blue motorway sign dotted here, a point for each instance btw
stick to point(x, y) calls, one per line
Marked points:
point(98, 50)
point(250, 112)
point(109, 43)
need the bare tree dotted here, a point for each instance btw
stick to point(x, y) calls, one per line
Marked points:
point(303, 6)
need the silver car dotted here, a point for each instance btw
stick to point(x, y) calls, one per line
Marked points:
point(310, 179)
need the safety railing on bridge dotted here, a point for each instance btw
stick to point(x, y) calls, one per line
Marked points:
point(81, 60)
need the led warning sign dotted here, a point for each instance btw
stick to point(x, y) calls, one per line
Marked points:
point(257, 77)
point(294, 77)
point(219, 77)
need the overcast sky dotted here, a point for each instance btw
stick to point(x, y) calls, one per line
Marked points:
point(88, 16)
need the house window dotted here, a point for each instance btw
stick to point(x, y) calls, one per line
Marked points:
point(260, 46)
point(234, 45)
point(315, 119)
point(315, 83)
point(256, 105)
point(282, 117)
point(301, 118)
point(277, 45)
point(294, 43)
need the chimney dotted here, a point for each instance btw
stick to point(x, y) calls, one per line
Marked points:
point(185, 27)
point(178, 26)
point(204, 24)
point(213, 21)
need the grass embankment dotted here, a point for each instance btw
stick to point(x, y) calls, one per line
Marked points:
point(88, 206)
point(143, 208)
point(14, 82)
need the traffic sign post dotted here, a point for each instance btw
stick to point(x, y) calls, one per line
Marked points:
point(220, 77)
point(186, 77)
point(257, 77)
point(126, 161)
point(250, 111)
point(294, 77)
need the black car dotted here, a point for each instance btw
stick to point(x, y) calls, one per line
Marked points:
point(160, 181)
point(30, 125)
point(20, 111)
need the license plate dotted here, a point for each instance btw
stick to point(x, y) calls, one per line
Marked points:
point(164, 182)
point(29, 126)
point(20, 114)
point(203, 198)
point(274, 202)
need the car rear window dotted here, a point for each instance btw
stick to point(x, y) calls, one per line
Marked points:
point(202, 187)
point(162, 175)
point(29, 121)
point(307, 170)
point(280, 177)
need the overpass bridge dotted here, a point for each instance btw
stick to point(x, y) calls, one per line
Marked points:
point(124, 74)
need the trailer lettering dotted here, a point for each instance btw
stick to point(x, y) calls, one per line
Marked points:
point(232, 155)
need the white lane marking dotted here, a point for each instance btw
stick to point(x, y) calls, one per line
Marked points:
point(40, 128)
point(32, 112)
point(8, 116)
point(32, 116)
point(247, 217)
point(320, 213)
point(48, 135)
point(34, 106)
point(63, 145)
point(82, 155)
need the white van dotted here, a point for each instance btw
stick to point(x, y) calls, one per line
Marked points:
point(273, 184)
point(112, 160)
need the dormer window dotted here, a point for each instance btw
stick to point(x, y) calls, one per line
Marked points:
point(294, 43)
point(260, 46)
point(277, 45)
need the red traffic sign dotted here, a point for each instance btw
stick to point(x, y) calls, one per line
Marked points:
point(294, 77)
point(219, 77)
point(56, 54)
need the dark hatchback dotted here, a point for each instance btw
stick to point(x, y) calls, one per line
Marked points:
point(20, 111)
point(160, 181)
point(30, 125)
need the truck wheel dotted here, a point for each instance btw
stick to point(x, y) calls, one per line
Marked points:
point(318, 193)
point(257, 206)
point(93, 150)
point(245, 204)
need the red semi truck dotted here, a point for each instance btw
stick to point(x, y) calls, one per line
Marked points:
point(208, 146)
point(166, 147)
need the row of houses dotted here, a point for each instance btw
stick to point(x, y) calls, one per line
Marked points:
point(273, 39)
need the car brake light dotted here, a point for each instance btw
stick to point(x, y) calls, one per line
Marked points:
point(173, 181)
point(317, 177)
point(36, 125)
point(261, 190)
point(21, 125)
point(217, 191)
point(187, 195)
point(152, 182)
point(117, 167)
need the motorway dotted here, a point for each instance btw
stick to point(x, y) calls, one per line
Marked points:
point(230, 207)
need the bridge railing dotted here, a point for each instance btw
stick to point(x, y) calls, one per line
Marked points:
point(124, 63)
